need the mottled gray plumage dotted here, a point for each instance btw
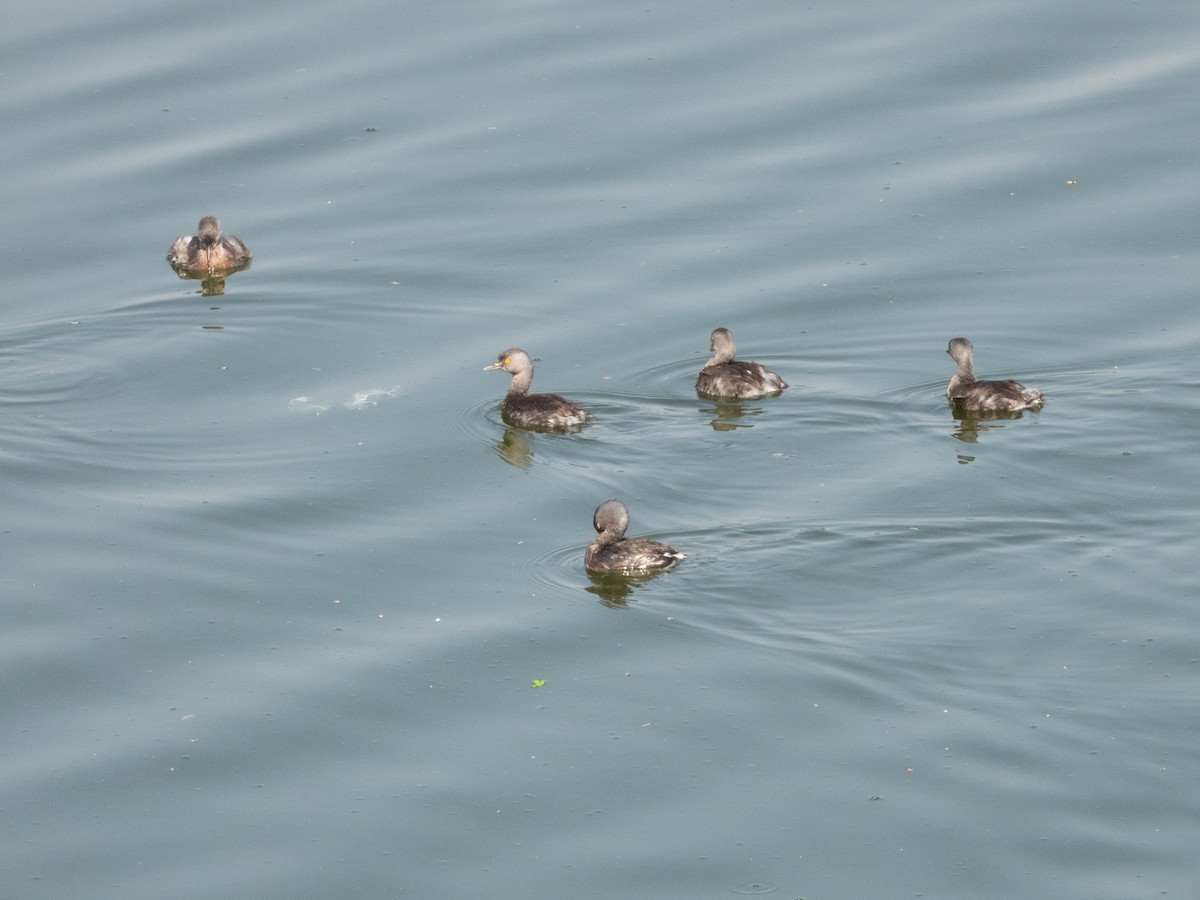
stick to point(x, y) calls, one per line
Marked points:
point(208, 248)
point(725, 376)
point(969, 393)
point(613, 553)
point(533, 410)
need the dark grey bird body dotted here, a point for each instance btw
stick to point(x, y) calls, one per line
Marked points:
point(967, 392)
point(533, 410)
point(208, 248)
point(613, 553)
point(725, 376)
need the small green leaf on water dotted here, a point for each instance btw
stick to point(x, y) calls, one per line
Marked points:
point(538, 682)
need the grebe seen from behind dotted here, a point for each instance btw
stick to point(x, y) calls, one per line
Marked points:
point(208, 249)
point(614, 554)
point(725, 376)
point(969, 393)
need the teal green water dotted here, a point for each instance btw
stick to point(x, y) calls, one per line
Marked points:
point(288, 611)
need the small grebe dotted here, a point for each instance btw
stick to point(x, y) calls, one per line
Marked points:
point(208, 249)
point(613, 553)
point(533, 410)
point(724, 376)
point(967, 392)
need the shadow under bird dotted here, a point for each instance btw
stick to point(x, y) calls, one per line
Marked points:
point(614, 554)
point(969, 393)
point(725, 376)
point(520, 407)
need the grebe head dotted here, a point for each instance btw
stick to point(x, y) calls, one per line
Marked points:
point(209, 231)
point(722, 344)
point(611, 517)
point(514, 360)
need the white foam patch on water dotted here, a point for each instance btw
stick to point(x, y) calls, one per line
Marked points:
point(371, 397)
point(308, 404)
point(357, 400)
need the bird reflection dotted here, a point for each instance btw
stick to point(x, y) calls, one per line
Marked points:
point(212, 281)
point(615, 591)
point(971, 423)
point(728, 414)
point(516, 448)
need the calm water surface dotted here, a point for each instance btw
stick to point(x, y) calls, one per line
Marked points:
point(288, 611)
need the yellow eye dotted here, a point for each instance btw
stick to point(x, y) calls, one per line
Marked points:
point(507, 360)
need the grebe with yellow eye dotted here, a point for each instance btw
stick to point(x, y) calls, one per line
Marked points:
point(533, 410)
